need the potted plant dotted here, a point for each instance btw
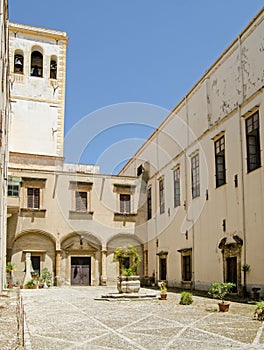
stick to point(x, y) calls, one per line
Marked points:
point(163, 290)
point(259, 311)
point(128, 258)
point(31, 284)
point(46, 278)
point(256, 293)
point(186, 298)
point(219, 290)
point(10, 268)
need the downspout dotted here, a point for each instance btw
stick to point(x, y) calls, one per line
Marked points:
point(186, 194)
point(156, 224)
point(242, 160)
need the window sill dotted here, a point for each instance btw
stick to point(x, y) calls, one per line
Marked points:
point(39, 213)
point(80, 215)
point(130, 217)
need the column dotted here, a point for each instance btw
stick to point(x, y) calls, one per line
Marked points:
point(28, 275)
point(58, 268)
point(104, 275)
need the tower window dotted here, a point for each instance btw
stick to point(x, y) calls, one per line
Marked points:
point(18, 63)
point(253, 142)
point(36, 64)
point(53, 68)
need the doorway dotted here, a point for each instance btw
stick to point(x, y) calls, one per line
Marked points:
point(163, 269)
point(231, 271)
point(81, 271)
point(35, 260)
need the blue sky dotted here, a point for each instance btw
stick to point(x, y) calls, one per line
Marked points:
point(143, 51)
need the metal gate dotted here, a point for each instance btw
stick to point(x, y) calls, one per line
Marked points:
point(81, 271)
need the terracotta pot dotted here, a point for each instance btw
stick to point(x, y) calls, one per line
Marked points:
point(163, 296)
point(223, 307)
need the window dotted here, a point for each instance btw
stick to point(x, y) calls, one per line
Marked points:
point(149, 207)
point(18, 62)
point(125, 203)
point(13, 186)
point(195, 176)
point(13, 190)
point(161, 196)
point(220, 162)
point(53, 67)
point(36, 64)
point(81, 201)
point(177, 187)
point(33, 198)
point(253, 142)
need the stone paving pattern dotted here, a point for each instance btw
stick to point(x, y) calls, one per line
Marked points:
point(70, 318)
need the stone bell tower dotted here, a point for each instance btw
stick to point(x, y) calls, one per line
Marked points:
point(37, 79)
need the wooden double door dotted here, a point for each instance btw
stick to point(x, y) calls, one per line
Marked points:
point(81, 271)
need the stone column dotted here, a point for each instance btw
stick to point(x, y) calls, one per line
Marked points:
point(104, 275)
point(58, 268)
point(28, 275)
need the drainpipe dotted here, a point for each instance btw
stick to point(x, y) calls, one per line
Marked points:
point(242, 159)
point(156, 216)
point(186, 194)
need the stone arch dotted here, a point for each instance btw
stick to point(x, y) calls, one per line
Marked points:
point(37, 244)
point(36, 61)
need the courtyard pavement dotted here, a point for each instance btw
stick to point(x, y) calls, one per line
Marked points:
point(75, 318)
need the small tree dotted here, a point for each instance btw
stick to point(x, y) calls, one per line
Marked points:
point(219, 290)
point(121, 254)
point(46, 277)
point(10, 268)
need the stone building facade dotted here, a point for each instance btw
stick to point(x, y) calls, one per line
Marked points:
point(204, 169)
point(191, 199)
point(4, 124)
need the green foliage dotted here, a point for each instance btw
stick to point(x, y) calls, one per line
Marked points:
point(31, 283)
point(220, 289)
point(186, 298)
point(259, 311)
point(46, 277)
point(10, 267)
point(245, 267)
point(127, 252)
point(163, 287)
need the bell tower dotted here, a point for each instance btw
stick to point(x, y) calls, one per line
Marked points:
point(37, 78)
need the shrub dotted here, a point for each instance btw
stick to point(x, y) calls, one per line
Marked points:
point(259, 311)
point(186, 298)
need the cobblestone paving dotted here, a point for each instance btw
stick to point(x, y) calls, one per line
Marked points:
point(70, 318)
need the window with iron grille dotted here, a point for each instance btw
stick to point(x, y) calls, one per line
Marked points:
point(177, 187)
point(81, 201)
point(149, 198)
point(195, 176)
point(125, 203)
point(253, 142)
point(33, 198)
point(161, 196)
point(220, 172)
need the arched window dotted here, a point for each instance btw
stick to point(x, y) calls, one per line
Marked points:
point(53, 67)
point(36, 64)
point(18, 62)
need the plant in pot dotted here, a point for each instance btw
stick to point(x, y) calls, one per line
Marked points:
point(259, 311)
point(128, 258)
point(186, 298)
point(10, 268)
point(46, 278)
point(219, 290)
point(31, 284)
point(163, 290)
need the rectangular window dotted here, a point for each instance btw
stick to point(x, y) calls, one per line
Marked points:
point(220, 171)
point(125, 203)
point(13, 190)
point(177, 187)
point(81, 201)
point(195, 176)
point(149, 203)
point(186, 268)
point(161, 196)
point(33, 198)
point(253, 142)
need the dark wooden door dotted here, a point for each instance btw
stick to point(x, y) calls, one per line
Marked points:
point(163, 269)
point(231, 271)
point(81, 271)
